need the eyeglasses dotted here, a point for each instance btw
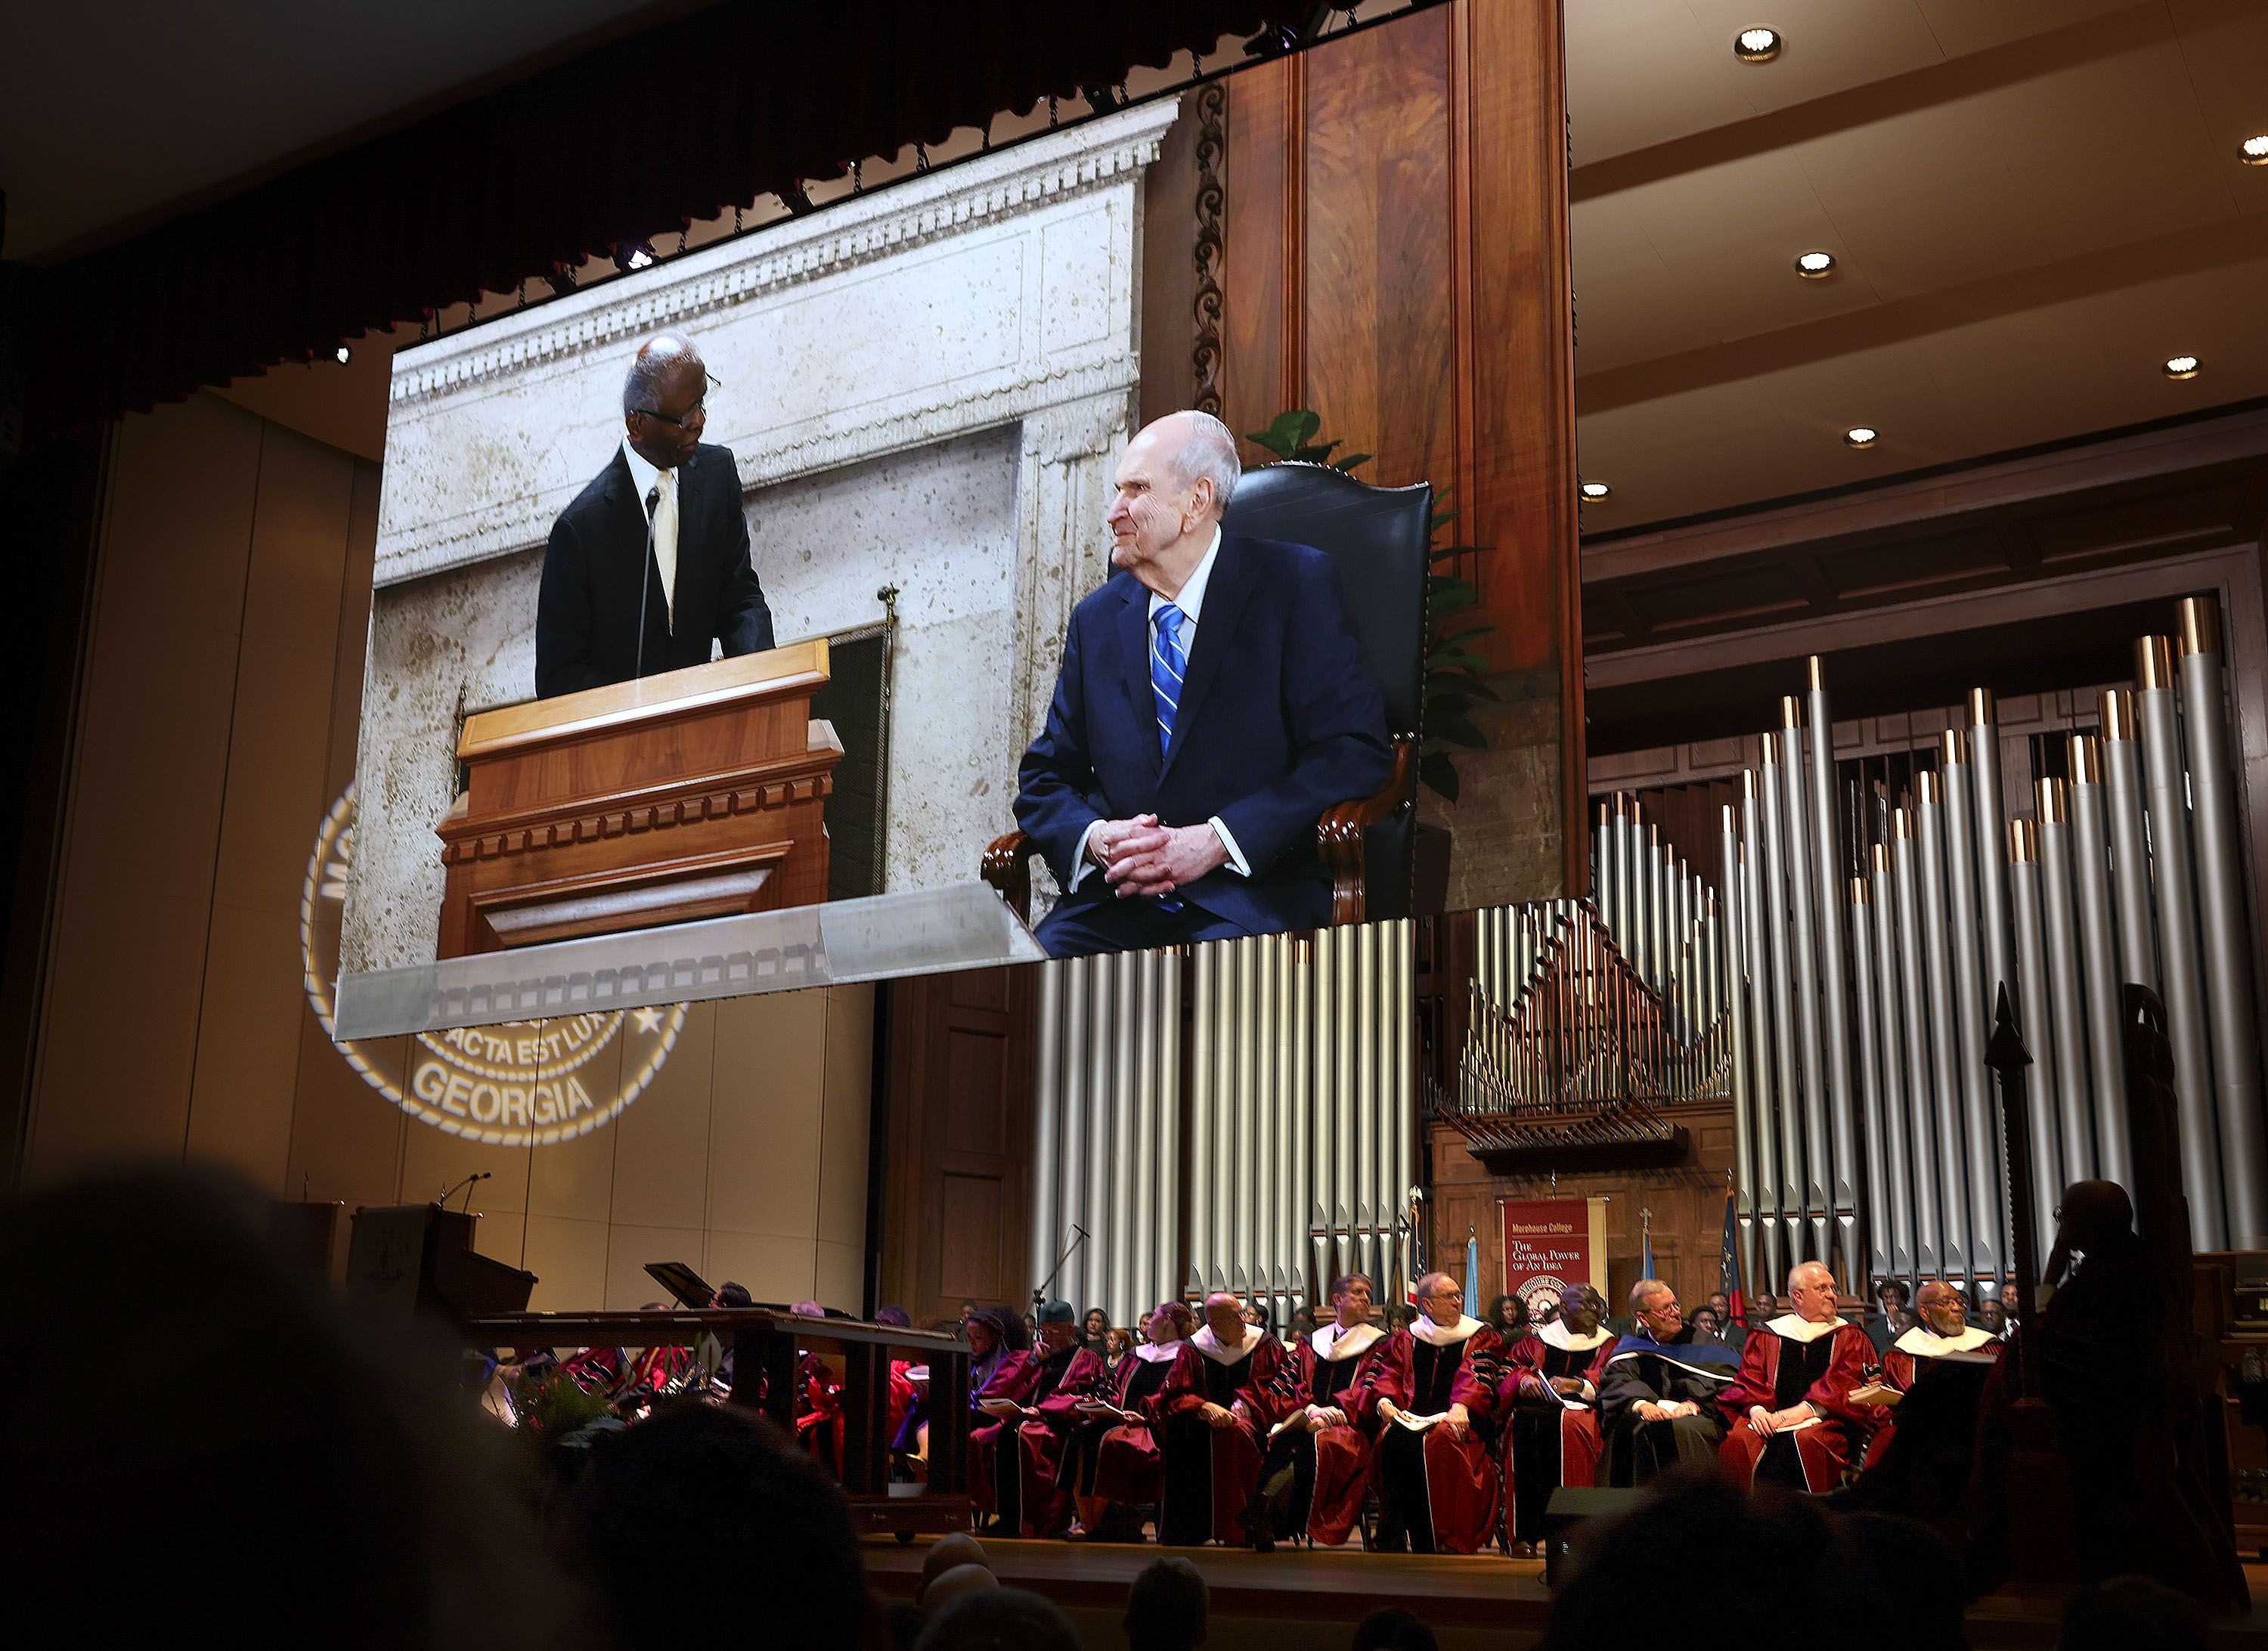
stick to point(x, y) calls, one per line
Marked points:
point(699, 413)
point(1667, 1311)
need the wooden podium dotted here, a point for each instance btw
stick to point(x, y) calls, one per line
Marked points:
point(695, 793)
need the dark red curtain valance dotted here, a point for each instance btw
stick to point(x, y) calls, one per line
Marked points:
point(631, 140)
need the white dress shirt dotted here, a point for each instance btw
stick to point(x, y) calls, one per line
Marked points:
point(1190, 600)
point(644, 477)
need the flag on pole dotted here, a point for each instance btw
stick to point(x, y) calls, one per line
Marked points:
point(1728, 1265)
point(1472, 1270)
point(1645, 1246)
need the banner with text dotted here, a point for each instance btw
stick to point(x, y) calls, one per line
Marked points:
point(1550, 1243)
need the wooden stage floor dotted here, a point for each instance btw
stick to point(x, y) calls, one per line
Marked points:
point(1311, 1598)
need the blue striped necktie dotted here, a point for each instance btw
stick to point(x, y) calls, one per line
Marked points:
point(1169, 661)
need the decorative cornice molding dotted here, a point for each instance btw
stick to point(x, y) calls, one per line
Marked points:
point(841, 236)
point(490, 844)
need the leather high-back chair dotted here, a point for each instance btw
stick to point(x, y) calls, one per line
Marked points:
point(1378, 538)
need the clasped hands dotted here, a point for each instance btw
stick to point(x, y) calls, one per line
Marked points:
point(1769, 1422)
point(1649, 1411)
point(1456, 1418)
point(1222, 1416)
point(1141, 857)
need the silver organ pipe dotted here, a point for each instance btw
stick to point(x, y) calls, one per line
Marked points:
point(2060, 954)
point(1893, 1195)
point(1778, 964)
point(1832, 879)
point(2130, 841)
point(1811, 1037)
point(2035, 1018)
point(1972, 986)
point(2225, 944)
point(1879, 1264)
point(2173, 883)
point(1945, 1131)
point(1920, 1075)
point(1763, 1066)
point(1744, 1096)
point(2090, 864)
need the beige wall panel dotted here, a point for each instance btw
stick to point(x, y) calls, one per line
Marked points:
point(146, 798)
point(661, 1140)
point(575, 1178)
point(500, 1235)
point(347, 1139)
point(629, 1248)
point(247, 1060)
point(842, 1276)
point(178, 529)
point(121, 1014)
point(763, 1154)
point(569, 1260)
point(279, 747)
point(850, 1103)
point(431, 1160)
point(775, 1269)
point(299, 543)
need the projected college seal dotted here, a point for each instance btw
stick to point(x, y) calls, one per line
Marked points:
point(524, 1083)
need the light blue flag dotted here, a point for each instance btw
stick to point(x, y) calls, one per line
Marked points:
point(1472, 1271)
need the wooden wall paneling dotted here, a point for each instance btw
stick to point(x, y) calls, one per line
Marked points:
point(1371, 220)
point(1256, 183)
point(1168, 245)
point(955, 1227)
point(1520, 824)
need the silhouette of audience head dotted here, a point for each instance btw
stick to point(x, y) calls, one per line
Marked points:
point(1166, 1608)
point(1391, 1628)
point(2131, 1613)
point(999, 1620)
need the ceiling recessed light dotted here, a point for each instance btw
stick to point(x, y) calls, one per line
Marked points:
point(1595, 490)
point(2182, 366)
point(343, 354)
point(2254, 151)
point(1812, 265)
point(1861, 436)
point(1756, 46)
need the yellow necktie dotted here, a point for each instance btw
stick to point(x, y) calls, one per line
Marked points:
point(665, 540)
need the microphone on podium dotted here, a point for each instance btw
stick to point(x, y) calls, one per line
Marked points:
point(479, 1175)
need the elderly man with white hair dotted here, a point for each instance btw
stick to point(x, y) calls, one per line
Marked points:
point(1792, 1421)
point(1211, 704)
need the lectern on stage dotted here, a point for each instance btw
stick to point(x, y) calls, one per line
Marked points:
point(695, 793)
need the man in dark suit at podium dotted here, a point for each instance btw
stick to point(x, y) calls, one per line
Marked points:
point(1210, 705)
point(664, 514)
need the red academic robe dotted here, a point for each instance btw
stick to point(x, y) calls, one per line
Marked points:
point(902, 1395)
point(1012, 1378)
point(1212, 1473)
point(1118, 1460)
point(1907, 1358)
point(1793, 1360)
point(819, 1412)
point(1549, 1440)
point(1044, 1447)
point(1438, 1490)
point(1330, 1463)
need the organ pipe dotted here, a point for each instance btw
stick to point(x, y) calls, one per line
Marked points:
point(1921, 1080)
point(2173, 885)
point(2066, 1003)
point(1896, 1192)
point(1972, 986)
point(1834, 1075)
point(2098, 940)
point(1879, 1262)
point(2225, 944)
point(2037, 1017)
point(1956, 1241)
point(1818, 1203)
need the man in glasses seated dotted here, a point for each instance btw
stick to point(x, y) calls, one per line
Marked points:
point(1658, 1390)
point(648, 570)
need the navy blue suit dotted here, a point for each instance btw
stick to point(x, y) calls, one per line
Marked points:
point(1278, 721)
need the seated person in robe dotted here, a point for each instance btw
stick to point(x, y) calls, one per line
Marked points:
point(1211, 1418)
point(1924, 1449)
point(1431, 1403)
point(1114, 1454)
point(998, 1358)
point(1033, 1494)
point(1790, 1415)
point(1550, 1400)
point(1658, 1390)
point(1317, 1469)
point(818, 1400)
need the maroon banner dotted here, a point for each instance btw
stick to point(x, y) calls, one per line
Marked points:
point(1550, 1243)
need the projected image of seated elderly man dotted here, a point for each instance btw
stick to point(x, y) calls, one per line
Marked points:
point(1210, 705)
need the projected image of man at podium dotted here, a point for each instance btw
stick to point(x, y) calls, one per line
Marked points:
point(659, 540)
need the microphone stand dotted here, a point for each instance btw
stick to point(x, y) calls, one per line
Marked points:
point(1040, 1292)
